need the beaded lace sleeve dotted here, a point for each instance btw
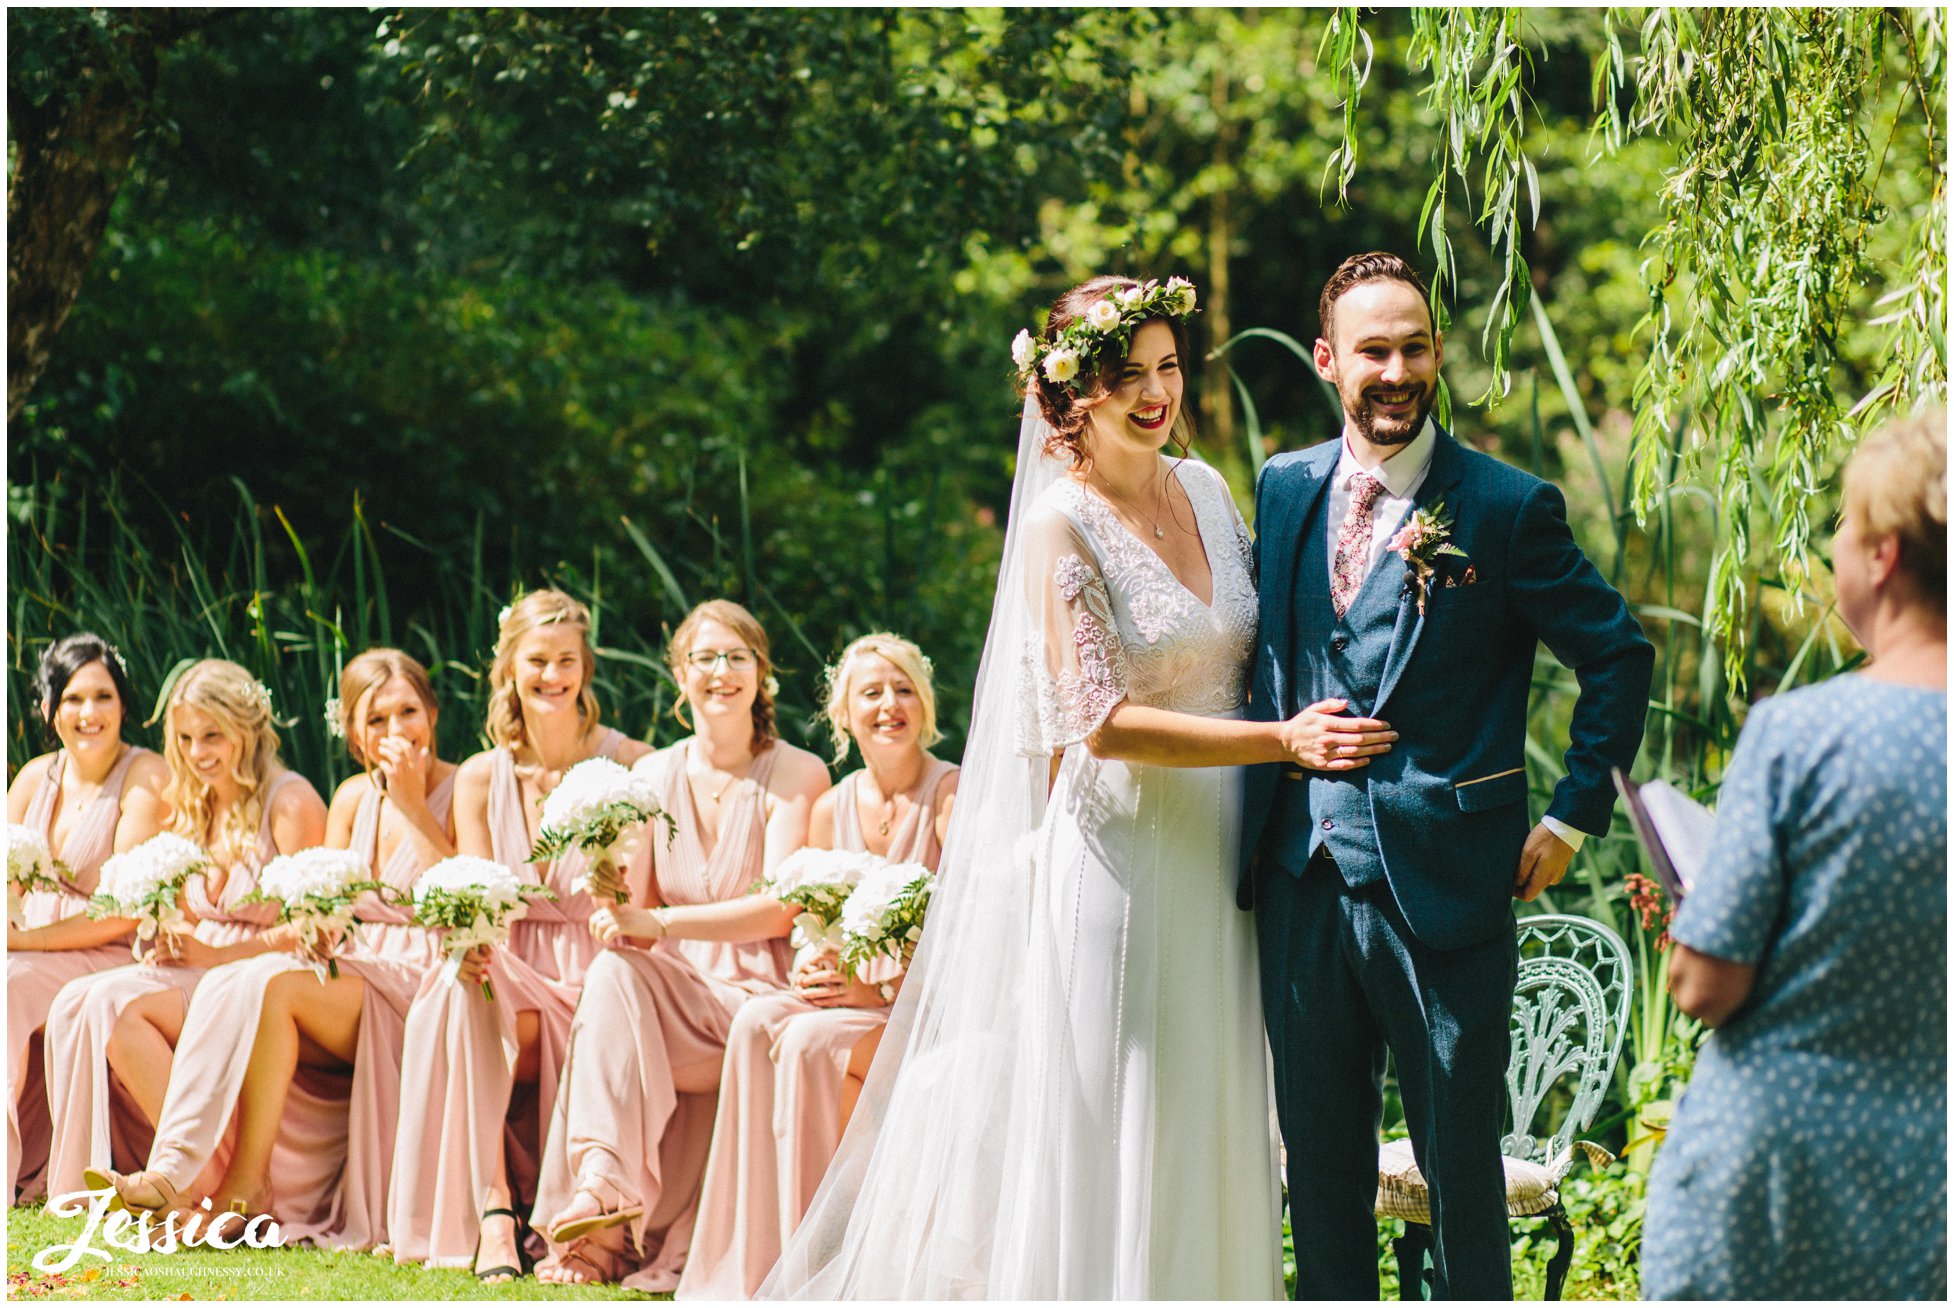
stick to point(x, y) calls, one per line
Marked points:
point(1074, 665)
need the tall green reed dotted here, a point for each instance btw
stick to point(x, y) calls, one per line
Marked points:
point(89, 566)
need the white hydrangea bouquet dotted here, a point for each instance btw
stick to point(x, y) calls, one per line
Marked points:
point(30, 866)
point(315, 890)
point(818, 882)
point(474, 900)
point(599, 808)
point(145, 883)
point(884, 915)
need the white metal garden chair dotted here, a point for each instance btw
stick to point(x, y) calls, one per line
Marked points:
point(1570, 1015)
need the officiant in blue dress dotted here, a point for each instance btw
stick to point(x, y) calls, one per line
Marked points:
point(1808, 1157)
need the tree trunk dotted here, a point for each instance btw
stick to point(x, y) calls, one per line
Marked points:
point(71, 156)
point(1217, 397)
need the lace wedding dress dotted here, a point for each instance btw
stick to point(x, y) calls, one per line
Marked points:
point(1073, 1099)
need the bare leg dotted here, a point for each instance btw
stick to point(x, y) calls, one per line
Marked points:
point(860, 1059)
point(142, 1047)
point(302, 1021)
point(497, 1242)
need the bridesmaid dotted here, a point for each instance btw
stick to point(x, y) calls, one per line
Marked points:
point(94, 796)
point(271, 1049)
point(633, 1120)
point(795, 1059)
point(482, 1076)
point(111, 1035)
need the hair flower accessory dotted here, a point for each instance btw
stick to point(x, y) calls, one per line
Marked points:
point(1106, 324)
point(335, 721)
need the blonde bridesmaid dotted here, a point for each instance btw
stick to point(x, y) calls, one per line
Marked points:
point(94, 796)
point(294, 1076)
point(795, 1060)
point(479, 1077)
point(633, 1120)
point(111, 1035)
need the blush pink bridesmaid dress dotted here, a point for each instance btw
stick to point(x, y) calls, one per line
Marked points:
point(334, 1154)
point(33, 979)
point(462, 1109)
point(621, 1127)
point(96, 1123)
point(779, 1119)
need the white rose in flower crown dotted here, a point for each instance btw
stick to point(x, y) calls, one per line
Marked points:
point(30, 866)
point(1021, 348)
point(1103, 316)
point(1184, 291)
point(1061, 366)
point(1131, 296)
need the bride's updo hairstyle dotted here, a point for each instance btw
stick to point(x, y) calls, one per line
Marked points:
point(1070, 412)
point(539, 608)
point(907, 659)
point(736, 618)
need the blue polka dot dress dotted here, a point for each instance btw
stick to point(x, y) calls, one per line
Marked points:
point(1807, 1159)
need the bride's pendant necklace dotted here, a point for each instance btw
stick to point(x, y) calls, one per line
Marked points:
point(1153, 519)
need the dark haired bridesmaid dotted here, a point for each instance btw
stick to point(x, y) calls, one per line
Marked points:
point(94, 795)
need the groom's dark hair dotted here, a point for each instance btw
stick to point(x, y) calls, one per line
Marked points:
point(1377, 266)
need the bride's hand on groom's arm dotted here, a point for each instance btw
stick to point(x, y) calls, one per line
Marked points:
point(1321, 739)
point(1543, 862)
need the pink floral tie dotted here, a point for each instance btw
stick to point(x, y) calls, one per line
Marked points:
point(1354, 542)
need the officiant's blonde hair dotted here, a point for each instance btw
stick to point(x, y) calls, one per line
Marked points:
point(907, 659)
point(1896, 485)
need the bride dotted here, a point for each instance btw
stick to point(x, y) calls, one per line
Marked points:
point(1072, 1100)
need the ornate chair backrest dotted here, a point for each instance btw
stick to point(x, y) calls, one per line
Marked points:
point(1570, 1015)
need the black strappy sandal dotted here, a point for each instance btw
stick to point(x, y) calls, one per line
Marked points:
point(522, 1255)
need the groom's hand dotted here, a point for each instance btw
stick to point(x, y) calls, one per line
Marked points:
point(1321, 739)
point(1543, 862)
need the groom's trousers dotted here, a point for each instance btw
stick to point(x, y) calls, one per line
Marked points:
point(1343, 979)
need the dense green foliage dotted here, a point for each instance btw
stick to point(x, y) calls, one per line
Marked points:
point(398, 313)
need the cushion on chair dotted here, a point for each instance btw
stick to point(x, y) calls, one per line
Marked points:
point(1530, 1187)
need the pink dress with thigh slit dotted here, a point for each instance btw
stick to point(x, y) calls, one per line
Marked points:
point(96, 1122)
point(621, 1125)
point(779, 1120)
point(330, 1165)
point(462, 1110)
point(33, 979)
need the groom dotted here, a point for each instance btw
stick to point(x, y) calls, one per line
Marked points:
point(1405, 582)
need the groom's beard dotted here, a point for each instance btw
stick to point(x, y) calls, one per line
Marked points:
point(1380, 429)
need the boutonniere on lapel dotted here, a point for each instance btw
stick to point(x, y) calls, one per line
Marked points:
point(1425, 538)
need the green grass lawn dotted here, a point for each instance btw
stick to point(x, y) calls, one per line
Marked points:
point(245, 1273)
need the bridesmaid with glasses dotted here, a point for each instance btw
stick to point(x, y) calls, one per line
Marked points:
point(633, 1120)
point(795, 1059)
point(94, 796)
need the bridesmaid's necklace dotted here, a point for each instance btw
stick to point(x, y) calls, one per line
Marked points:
point(883, 828)
point(726, 780)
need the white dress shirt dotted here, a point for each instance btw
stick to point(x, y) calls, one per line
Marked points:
point(1402, 474)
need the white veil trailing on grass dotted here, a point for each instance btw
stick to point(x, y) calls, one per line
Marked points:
point(931, 1194)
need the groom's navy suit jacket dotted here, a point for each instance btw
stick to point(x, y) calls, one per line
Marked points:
point(1442, 816)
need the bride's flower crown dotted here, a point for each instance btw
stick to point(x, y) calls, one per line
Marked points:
point(1108, 323)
